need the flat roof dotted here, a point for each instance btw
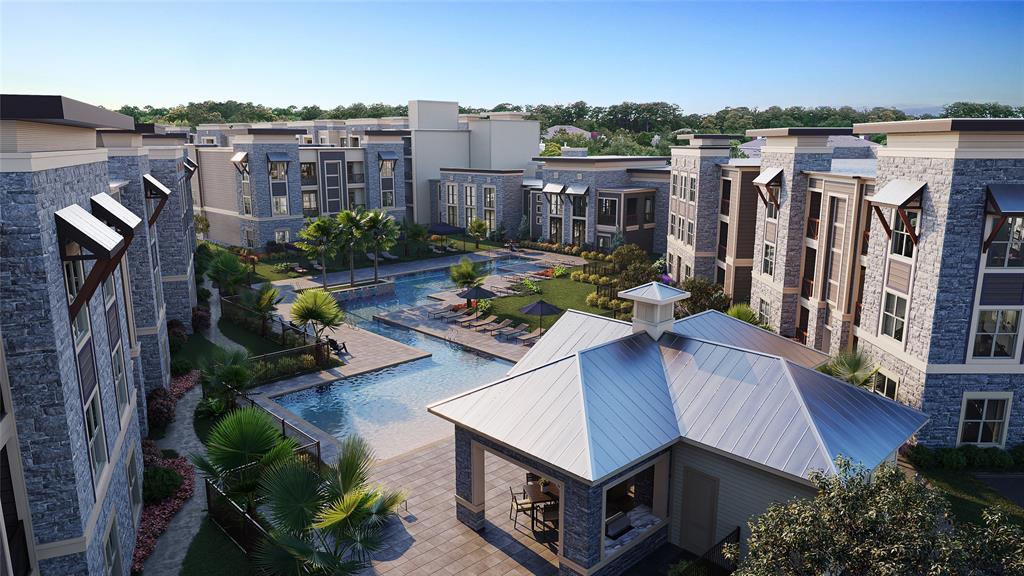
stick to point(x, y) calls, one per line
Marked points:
point(481, 171)
point(801, 131)
point(282, 131)
point(52, 109)
point(742, 163)
point(942, 125)
point(387, 132)
point(600, 158)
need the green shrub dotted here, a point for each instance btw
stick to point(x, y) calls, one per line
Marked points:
point(604, 281)
point(260, 371)
point(592, 299)
point(626, 306)
point(181, 366)
point(950, 458)
point(602, 302)
point(307, 362)
point(529, 286)
point(614, 304)
point(1017, 453)
point(575, 275)
point(560, 272)
point(593, 278)
point(211, 408)
point(921, 456)
point(203, 295)
point(484, 306)
point(159, 484)
point(986, 458)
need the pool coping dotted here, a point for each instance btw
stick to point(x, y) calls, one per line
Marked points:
point(435, 334)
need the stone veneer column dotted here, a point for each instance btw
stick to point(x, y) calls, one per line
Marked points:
point(469, 480)
point(700, 158)
point(793, 154)
point(176, 232)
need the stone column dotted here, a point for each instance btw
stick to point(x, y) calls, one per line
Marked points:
point(469, 480)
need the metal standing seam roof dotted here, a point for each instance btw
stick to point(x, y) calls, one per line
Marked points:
point(112, 209)
point(240, 157)
point(151, 184)
point(1007, 199)
point(387, 155)
point(88, 231)
point(654, 293)
point(577, 190)
point(766, 177)
point(533, 182)
point(278, 157)
point(552, 188)
point(573, 332)
point(896, 193)
point(599, 409)
point(719, 327)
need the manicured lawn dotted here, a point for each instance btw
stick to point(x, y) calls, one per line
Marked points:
point(214, 554)
point(256, 345)
point(197, 350)
point(968, 496)
point(561, 292)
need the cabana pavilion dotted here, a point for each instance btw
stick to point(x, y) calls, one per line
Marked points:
point(662, 430)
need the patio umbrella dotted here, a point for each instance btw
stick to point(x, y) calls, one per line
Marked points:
point(540, 308)
point(476, 293)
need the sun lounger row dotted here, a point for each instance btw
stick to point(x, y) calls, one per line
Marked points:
point(476, 320)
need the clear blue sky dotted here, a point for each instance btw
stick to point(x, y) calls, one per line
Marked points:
point(702, 56)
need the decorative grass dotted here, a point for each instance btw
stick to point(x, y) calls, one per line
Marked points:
point(561, 292)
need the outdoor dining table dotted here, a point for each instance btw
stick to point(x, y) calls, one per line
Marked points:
point(539, 496)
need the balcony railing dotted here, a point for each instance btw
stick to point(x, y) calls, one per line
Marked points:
point(714, 562)
point(812, 228)
point(807, 288)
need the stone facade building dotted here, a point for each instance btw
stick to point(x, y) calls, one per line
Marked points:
point(494, 196)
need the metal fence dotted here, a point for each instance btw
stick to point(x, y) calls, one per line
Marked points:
point(713, 562)
point(276, 330)
point(306, 444)
point(599, 268)
point(244, 530)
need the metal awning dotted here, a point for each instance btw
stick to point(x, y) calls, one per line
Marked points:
point(766, 182)
point(155, 190)
point(552, 188)
point(114, 214)
point(769, 176)
point(387, 155)
point(278, 157)
point(897, 193)
point(76, 225)
point(240, 158)
point(190, 166)
point(1006, 199)
point(577, 190)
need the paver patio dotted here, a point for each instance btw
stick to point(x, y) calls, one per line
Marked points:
point(428, 539)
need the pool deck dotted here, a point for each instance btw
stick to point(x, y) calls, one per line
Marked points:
point(418, 319)
point(428, 539)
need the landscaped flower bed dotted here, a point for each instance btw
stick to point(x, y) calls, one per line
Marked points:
point(156, 516)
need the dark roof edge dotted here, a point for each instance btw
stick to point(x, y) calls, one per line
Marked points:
point(480, 171)
point(278, 131)
point(53, 109)
point(598, 160)
point(801, 131)
point(942, 125)
point(387, 132)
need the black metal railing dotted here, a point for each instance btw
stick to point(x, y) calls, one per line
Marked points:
point(240, 527)
point(356, 178)
point(601, 269)
point(713, 562)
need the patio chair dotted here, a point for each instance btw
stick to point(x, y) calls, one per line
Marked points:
point(617, 525)
point(491, 327)
point(531, 477)
point(520, 505)
point(440, 311)
point(510, 332)
point(339, 349)
point(388, 255)
point(436, 249)
point(371, 257)
point(477, 324)
point(451, 248)
point(526, 338)
point(467, 319)
point(454, 314)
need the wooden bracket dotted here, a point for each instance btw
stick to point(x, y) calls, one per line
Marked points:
point(906, 223)
point(992, 235)
point(881, 218)
point(156, 211)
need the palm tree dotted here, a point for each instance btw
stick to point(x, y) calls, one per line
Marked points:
point(226, 372)
point(328, 522)
point(466, 275)
point(351, 228)
point(264, 302)
point(852, 367)
point(381, 233)
point(240, 448)
point(317, 307)
point(477, 229)
point(227, 272)
point(415, 236)
point(745, 313)
point(320, 241)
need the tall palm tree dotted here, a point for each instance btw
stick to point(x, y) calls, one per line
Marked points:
point(320, 241)
point(415, 236)
point(317, 307)
point(852, 367)
point(351, 229)
point(227, 272)
point(466, 274)
point(264, 302)
point(381, 234)
point(477, 229)
point(328, 522)
point(225, 372)
point(241, 447)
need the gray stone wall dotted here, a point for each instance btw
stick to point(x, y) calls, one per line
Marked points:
point(708, 201)
point(259, 184)
point(372, 168)
point(176, 234)
point(594, 179)
point(508, 200)
point(943, 398)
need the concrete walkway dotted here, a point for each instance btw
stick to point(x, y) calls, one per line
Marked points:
point(214, 334)
point(172, 545)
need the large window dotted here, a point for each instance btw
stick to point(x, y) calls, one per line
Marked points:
point(94, 435)
point(112, 550)
point(996, 332)
point(279, 188)
point(387, 183)
point(772, 211)
point(469, 192)
point(1007, 248)
point(490, 194)
point(884, 385)
point(691, 188)
point(902, 245)
point(307, 173)
point(356, 173)
point(134, 486)
point(608, 212)
point(764, 312)
point(894, 316)
point(690, 232)
point(768, 259)
point(984, 418)
point(246, 194)
point(309, 205)
point(74, 278)
point(452, 195)
point(648, 210)
point(120, 378)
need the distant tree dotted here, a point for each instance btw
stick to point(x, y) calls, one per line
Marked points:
point(524, 228)
point(981, 110)
point(552, 149)
point(704, 295)
point(507, 107)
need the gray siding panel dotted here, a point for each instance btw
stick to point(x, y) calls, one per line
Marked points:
point(899, 276)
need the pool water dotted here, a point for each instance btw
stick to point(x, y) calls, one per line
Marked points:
point(387, 407)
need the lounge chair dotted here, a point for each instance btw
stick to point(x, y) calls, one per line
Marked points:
point(476, 324)
point(467, 319)
point(371, 257)
point(451, 248)
point(525, 338)
point(388, 256)
point(494, 326)
point(339, 349)
point(440, 311)
point(436, 249)
point(509, 332)
point(453, 314)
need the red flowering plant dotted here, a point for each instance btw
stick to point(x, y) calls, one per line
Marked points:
point(157, 515)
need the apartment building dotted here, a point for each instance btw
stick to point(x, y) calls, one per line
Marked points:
point(82, 278)
point(844, 146)
point(493, 196)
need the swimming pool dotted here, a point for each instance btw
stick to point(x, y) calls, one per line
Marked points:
point(387, 407)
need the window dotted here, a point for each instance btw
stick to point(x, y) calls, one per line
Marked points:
point(120, 378)
point(246, 194)
point(689, 232)
point(387, 183)
point(94, 434)
point(687, 271)
point(726, 197)
point(540, 209)
point(108, 291)
point(764, 312)
point(691, 188)
point(490, 194)
point(772, 211)
point(281, 236)
point(208, 140)
point(489, 218)
point(356, 197)
point(356, 173)
point(768, 260)
point(134, 487)
point(1007, 248)
point(540, 220)
point(885, 386)
point(112, 550)
point(557, 206)
point(894, 316)
point(901, 243)
point(604, 241)
point(672, 225)
point(249, 238)
point(648, 210)
point(306, 139)
point(307, 173)
point(309, 204)
point(452, 193)
point(332, 187)
point(674, 187)
point(984, 417)
point(995, 334)
point(469, 193)
point(607, 212)
point(74, 278)
point(279, 188)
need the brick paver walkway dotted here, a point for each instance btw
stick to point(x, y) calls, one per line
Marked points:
point(428, 539)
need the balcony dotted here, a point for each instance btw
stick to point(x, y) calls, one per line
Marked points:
point(812, 228)
point(807, 288)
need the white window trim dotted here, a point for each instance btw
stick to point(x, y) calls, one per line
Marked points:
point(906, 318)
point(882, 373)
point(990, 222)
point(978, 308)
point(101, 429)
point(893, 217)
point(1008, 396)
